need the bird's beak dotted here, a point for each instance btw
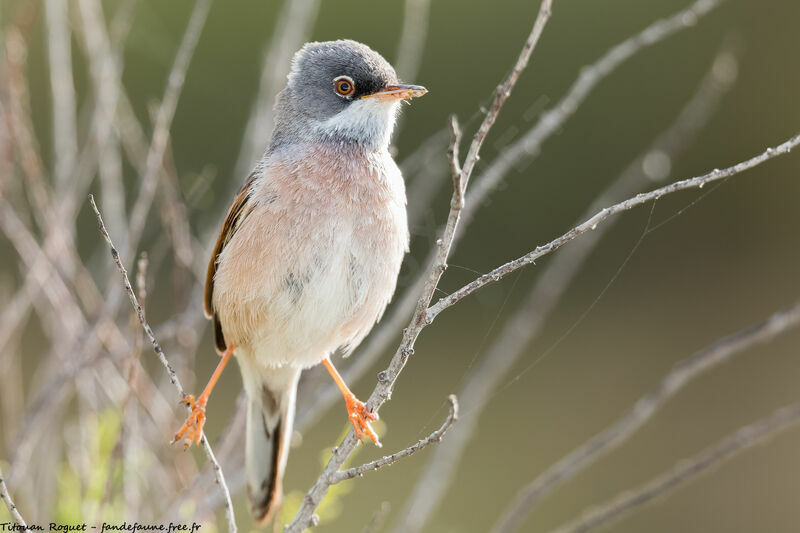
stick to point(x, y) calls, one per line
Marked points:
point(398, 92)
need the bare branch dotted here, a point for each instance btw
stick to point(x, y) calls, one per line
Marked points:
point(681, 374)
point(387, 460)
point(687, 469)
point(524, 325)
point(160, 353)
point(691, 183)
point(6, 497)
point(304, 517)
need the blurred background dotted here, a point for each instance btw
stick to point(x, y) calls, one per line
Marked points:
point(87, 412)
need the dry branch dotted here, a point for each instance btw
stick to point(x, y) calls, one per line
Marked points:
point(160, 353)
point(691, 183)
point(387, 460)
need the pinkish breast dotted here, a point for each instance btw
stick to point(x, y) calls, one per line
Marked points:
point(317, 260)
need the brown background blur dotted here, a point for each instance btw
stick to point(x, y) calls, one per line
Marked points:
point(726, 262)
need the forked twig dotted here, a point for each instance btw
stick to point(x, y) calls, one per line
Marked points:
point(691, 183)
point(387, 460)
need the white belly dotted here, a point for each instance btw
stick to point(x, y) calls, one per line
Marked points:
point(331, 301)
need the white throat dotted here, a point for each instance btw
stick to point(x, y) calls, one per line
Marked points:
point(367, 121)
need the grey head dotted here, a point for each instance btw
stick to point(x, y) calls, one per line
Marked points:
point(341, 92)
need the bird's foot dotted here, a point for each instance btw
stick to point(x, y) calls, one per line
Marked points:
point(360, 417)
point(192, 429)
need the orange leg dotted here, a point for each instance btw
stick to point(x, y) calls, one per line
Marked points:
point(193, 427)
point(356, 410)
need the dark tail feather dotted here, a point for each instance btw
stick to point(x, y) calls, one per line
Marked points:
point(270, 419)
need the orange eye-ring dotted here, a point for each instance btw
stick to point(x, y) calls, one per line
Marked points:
point(344, 86)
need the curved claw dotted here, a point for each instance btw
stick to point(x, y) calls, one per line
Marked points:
point(360, 417)
point(192, 430)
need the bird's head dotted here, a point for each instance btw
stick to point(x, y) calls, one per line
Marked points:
point(340, 91)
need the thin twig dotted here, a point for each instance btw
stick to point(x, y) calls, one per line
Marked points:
point(386, 380)
point(681, 374)
point(160, 353)
point(6, 497)
point(687, 469)
point(387, 460)
point(526, 322)
point(692, 183)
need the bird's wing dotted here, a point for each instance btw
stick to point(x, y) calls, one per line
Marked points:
point(238, 211)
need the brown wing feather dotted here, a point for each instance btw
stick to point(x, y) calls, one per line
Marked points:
point(236, 214)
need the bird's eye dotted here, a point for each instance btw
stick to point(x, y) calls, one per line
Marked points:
point(344, 86)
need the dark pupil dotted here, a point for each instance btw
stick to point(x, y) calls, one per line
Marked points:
point(344, 86)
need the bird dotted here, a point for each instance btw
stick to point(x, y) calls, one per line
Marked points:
point(308, 256)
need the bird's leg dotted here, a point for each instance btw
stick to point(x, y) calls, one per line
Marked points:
point(356, 410)
point(192, 429)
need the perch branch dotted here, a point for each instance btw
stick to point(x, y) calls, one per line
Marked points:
point(387, 460)
point(691, 183)
point(681, 374)
point(160, 353)
point(305, 516)
point(687, 469)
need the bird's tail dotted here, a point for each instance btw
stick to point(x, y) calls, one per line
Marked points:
point(270, 418)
